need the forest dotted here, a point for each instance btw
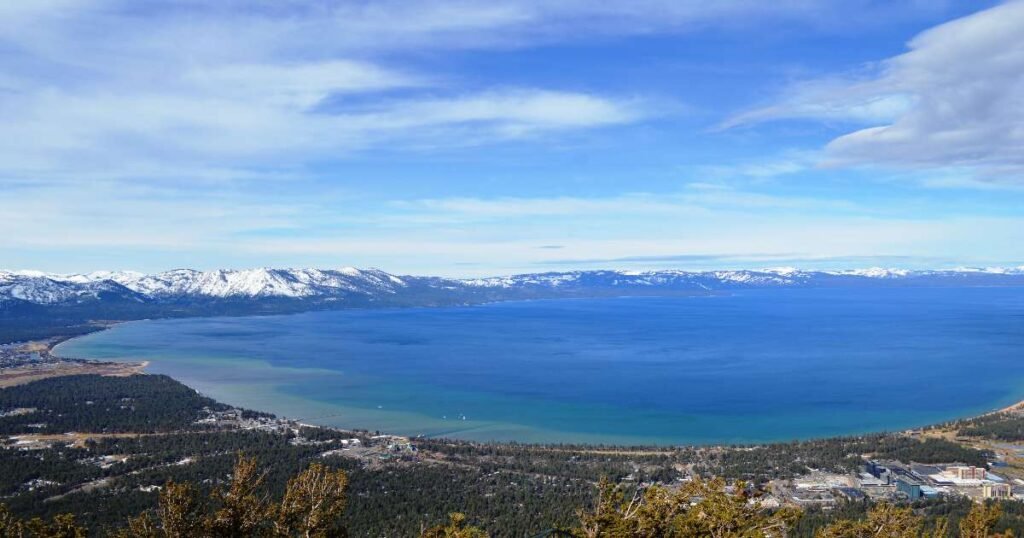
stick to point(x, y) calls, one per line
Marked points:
point(146, 437)
point(87, 403)
point(314, 502)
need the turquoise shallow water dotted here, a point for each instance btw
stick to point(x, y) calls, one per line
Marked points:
point(761, 365)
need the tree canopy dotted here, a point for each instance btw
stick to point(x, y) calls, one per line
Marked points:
point(314, 502)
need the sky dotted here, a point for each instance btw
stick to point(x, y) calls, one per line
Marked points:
point(465, 138)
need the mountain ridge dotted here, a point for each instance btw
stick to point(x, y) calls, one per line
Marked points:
point(311, 284)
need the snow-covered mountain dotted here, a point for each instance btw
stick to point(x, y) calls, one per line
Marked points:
point(359, 286)
point(39, 288)
point(47, 288)
point(780, 277)
point(642, 279)
point(294, 283)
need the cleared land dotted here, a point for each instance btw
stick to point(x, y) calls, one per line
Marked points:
point(34, 360)
point(20, 375)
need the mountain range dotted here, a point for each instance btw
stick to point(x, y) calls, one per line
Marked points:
point(351, 286)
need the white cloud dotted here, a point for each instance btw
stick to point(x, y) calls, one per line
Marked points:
point(297, 85)
point(475, 209)
point(967, 79)
point(55, 134)
point(115, 215)
point(110, 89)
point(837, 99)
point(103, 99)
point(529, 109)
point(956, 99)
point(102, 223)
point(494, 251)
point(127, 88)
point(696, 201)
point(790, 162)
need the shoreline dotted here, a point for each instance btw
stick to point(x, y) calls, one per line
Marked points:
point(50, 364)
point(139, 368)
point(1019, 406)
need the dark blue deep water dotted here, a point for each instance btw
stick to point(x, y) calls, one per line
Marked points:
point(760, 365)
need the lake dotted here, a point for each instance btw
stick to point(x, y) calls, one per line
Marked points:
point(758, 365)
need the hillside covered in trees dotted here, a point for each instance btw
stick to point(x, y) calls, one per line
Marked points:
point(134, 436)
point(314, 502)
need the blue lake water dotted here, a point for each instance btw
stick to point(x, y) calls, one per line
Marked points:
point(759, 365)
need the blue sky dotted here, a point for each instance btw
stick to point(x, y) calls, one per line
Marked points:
point(468, 138)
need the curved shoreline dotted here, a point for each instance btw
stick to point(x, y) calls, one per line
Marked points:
point(1019, 406)
point(139, 367)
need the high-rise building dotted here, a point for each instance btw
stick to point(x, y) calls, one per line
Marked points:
point(964, 472)
point(996, 491)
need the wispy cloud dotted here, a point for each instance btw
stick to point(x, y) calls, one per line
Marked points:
point(56, 134)
point(463, 209)
point(92, 226)
point(788, 163)
point(952, 101)
point(677, 259)
point(298, 85)
point(753, 259)
point(131, 89)
point(852, 99)
point(381, 133)
point(966, 78)
point(695, 200)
